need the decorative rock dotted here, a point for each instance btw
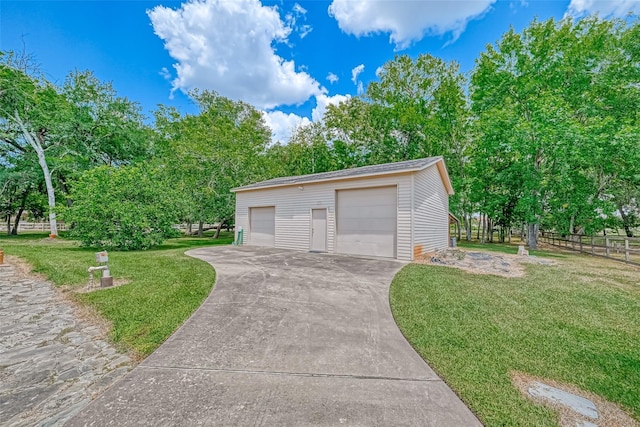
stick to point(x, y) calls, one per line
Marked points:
point(578, 404)
point(52, 363)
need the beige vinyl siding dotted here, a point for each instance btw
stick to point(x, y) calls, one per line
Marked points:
point(293, 210)
point(431, 212)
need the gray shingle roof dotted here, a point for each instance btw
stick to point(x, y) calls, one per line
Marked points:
point(384, 169)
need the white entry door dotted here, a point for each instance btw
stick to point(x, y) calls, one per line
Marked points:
point(366, 221)
point(319, 230)
point(262, 226)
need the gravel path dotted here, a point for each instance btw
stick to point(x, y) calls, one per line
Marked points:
point(52, 361)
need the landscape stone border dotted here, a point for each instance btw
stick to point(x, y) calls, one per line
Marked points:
point(53, 360)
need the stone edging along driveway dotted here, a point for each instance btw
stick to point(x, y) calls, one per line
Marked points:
point(52, 361)
point(285, 338)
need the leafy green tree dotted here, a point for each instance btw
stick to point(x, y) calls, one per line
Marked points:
point(20, 187)
point(33, 119)
point(418, 108)
point(69, 129)
point(210, 153)
point(105, 129)
point(123, 208)
point(552, 104)
point(351, 132)
point(307, 152)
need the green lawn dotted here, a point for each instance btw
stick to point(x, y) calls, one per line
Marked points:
point(576, 322)
point(165, 286)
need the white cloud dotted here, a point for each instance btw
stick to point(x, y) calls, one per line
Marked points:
point(304, 30)
point(299, 9)
point(283, 125)
point(298, 12)
point(379, 71)
point(356, 72)
point(515, 4)
point(406, 20)
point(165, 73)
point(332, 78)
point(227, 46)
point(354, 78)
point(323, 101)
point(607, 8)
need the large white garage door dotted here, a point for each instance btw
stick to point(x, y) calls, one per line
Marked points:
point(366, 221)
point(262, 226)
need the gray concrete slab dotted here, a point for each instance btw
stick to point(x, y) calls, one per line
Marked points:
point(285, 338)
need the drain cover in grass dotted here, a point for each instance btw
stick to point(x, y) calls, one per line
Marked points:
point(578, 404)
point(575, 407)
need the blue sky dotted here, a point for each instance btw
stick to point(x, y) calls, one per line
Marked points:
point(288, 58)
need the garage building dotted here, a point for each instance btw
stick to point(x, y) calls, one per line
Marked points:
point(395, 210)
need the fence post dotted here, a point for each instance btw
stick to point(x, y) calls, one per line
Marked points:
point(626, 249)
point(606, 245)
point(580, 244)
point(592, 249)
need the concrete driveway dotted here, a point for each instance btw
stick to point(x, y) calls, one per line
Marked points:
point(285, 339)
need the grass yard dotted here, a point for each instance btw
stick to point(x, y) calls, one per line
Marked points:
point(574, 322)
point(165, 286)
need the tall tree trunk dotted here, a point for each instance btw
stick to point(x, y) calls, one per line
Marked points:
point(218, 228)
point(65, 190)
point(189, 227)
point(200, 228)
point(9, 212)
point(479, 227)
point(16, 223)
point(532, 235)
point(467, 226)
point(36, 144)
point(483, 220)
point(625, 221)
point(23, 204)
point(572, 223)
point(490, 230)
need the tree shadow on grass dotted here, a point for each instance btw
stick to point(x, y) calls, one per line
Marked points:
point(507, 248)
point(187, 243)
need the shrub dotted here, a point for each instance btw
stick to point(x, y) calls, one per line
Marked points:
point(124, 208)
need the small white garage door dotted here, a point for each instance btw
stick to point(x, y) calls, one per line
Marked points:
point(366, 221)
point(262, 226)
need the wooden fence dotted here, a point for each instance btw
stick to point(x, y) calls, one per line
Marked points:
point(194, 227)
point(33, 226)
point(625, 249)
point(44, 226)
